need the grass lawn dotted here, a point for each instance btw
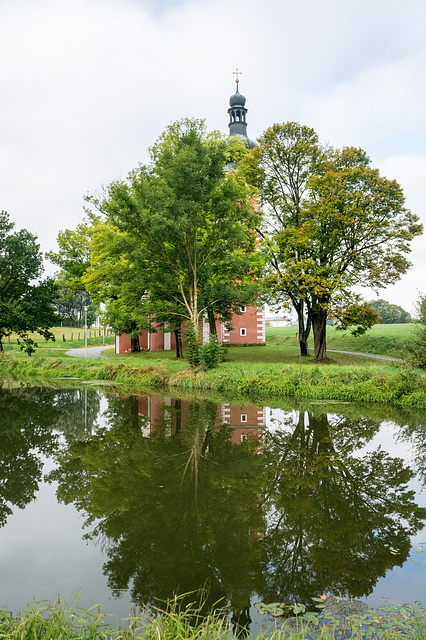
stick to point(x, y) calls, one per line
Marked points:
point(281, 348)
point(382, 339)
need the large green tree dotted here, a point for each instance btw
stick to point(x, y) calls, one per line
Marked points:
point(343, 226)
point(279, 169)
point(26, 302)
point(193, 221)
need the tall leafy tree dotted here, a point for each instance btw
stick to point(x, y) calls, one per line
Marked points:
point(193, 220)
point(336, 224)
point(356, 231)
point(280, 168)
point(117, 276)
point(26, 302)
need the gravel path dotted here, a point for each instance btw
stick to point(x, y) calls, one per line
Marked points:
point(92, 352)
point(366, 355)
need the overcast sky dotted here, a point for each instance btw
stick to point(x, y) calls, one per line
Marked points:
point(87, 86)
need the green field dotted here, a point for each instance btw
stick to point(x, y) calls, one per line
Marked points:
point(65, 338)
point(382, 339)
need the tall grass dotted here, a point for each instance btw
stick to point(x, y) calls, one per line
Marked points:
point(60, 621)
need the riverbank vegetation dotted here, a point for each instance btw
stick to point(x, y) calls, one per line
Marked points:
point(272, 371)
point(59, 620)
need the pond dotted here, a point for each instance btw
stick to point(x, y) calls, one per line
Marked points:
point(133, 498)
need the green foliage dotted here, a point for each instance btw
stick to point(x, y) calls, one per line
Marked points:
point(390, 313)
point(26, 303)
point(416, 346)
point(73, 256)
point(359, 317)
point(193, 346)
point(179, 235)
point(335, 619)
point(70, 306)
point(336, 224)
point(211, 353)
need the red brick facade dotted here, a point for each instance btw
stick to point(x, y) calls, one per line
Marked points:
point(247, 328)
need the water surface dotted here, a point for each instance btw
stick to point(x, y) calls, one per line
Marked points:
point(135, 498)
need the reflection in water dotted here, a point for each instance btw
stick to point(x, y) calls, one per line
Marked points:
point(28, 418)
point(181, 500)
point(188, 495)
point(334, 517)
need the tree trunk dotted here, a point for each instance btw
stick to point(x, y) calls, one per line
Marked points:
point(212, 322)
point(1, 347)
point(303, 338)
point(178, 340)
point(178, 415)
point(304, 330)
point(135, 346)
point(319, 325)
point(134, 412)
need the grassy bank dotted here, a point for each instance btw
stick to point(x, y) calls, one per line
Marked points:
point(367, 382)
point(273, 371)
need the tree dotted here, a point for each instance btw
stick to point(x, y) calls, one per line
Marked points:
point(73, 258)
point(117, 276)
point(390, 313)
point(188, 513)
point(333, 513)
point(279, 169)
point(26, 303)
point(194, 222)
point(350, 228)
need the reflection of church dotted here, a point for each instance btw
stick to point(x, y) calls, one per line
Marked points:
point(166, 416)
point(247, 327)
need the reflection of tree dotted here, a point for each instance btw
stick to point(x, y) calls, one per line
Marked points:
point(333, 516)
point(414, 432)
point(27, 419)
point(79, 409)
point(174, 513)
point(303, 516)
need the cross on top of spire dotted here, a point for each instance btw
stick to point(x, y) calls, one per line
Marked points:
point(237, 73)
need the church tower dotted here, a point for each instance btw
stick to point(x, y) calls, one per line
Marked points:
point(237, 116)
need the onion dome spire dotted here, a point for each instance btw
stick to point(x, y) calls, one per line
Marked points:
point(237, 115)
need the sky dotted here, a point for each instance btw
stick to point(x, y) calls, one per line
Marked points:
point(87, 86)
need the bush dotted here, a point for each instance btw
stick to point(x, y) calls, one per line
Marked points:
point(416, 347)
point(211, 353)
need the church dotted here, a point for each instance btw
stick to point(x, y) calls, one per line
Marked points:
point(247, 327)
